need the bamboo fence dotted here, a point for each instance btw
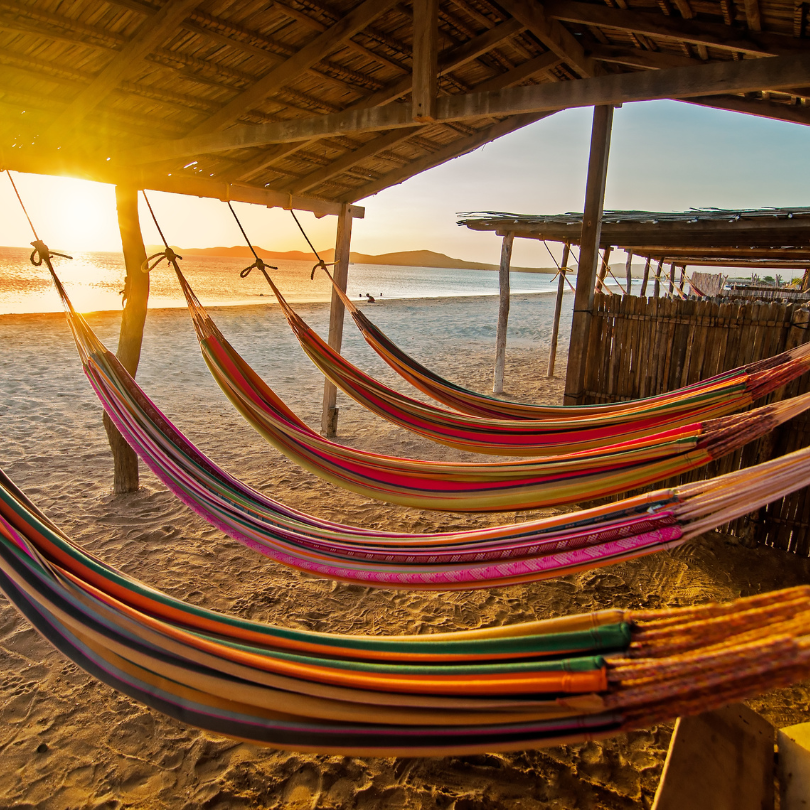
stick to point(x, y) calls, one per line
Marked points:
point(640, 347)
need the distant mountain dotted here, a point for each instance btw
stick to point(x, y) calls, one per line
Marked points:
point(405, 258)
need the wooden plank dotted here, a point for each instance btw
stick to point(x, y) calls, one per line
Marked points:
point(762, 108)
point(425, 59)
point(503, 313)
point(343, 241)
point(752, 15)
point(553, 35)
point(149, 35)
point(329, 41)
point(716, 35)
point(555, 328)
point(645, 277)
point(589, 254)
point(720, 760)
point(712, 78)
point(628, 271)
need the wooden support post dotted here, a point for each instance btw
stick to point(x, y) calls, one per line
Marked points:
point(628, 269)
point(503, 313)
point(794, 766)
point(589, 254)
point(672, 278)
point(555, 329)
point(682, 282)
point(136, 296)
point(657, 280)
point(600, 279)
point(425, 59)
point(340, 273)
point(806, 280)
point(645, 278)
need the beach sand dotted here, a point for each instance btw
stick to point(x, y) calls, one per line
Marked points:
point(67, 741)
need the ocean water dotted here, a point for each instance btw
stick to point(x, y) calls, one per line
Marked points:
point(94, 282)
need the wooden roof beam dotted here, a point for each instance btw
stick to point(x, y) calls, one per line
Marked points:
point(553, 35)
point(390, 139)
point(752, 15)
point(715, 35)
point(714, 78)
point(151, 34)
point(328, 42)
point(792, 113)
point(450, 59)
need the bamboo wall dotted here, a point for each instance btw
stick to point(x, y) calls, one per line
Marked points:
point(645, 346)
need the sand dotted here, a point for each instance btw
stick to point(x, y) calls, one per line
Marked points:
point(67, 741)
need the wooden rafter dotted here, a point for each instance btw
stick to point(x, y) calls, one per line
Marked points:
point(715, 78)
point(553, 35)
point(697, 32)
point(150, 34)
point(328, 42)
point(752, 15)
point(390, 139)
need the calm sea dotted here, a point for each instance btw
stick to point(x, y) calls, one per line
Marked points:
point(94, 282)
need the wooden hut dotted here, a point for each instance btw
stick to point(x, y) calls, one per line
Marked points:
point(316, 105)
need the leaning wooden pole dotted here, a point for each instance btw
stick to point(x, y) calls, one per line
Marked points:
point(603, 269)
point(628, 269)
point(657, 280)
point(136, 297)
point(645, 278)
point(555, 329)
point(503, 313)
point(589, 254)
point(343, 243)
point(672, 278)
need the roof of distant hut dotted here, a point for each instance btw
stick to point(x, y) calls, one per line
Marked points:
point(745, 237)
point(302, 101)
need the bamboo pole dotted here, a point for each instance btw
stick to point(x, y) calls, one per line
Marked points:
point(600, 280)
point(343, 242)
point(589, 254)
point(645, 278)
point(555, 329)
point(657, 280)
point(503, 312)
point(628, 269)
point(133, 318)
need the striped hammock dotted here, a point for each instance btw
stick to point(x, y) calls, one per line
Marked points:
point(497, 689)
point(568, 432)
point(477, 558)
point(476, 486)
point(729, 391)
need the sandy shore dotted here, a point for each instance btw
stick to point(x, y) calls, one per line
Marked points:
point(68, 741)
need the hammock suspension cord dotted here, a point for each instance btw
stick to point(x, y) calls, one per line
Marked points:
point(559, 268)
point(321, 263)
point(169, 255)
point(259, 263)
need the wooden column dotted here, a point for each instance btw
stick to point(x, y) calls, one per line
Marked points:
point(628, 269)
point(657, 280)
point(672, 278)
point(341, 274)
point(503, 313)
point(555, 329)
point(682, 281)
point(136, 292)
point(645, 278)
point(425, 59)
point(589, 254)
point(600, 279)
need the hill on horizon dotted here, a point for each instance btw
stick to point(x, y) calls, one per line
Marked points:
point(404, 258)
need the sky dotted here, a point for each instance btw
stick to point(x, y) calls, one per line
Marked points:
point(664, 156)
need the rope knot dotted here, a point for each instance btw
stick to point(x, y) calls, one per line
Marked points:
point(168, 255)
point(260, 265)
point(322, 265)
point(41, 253)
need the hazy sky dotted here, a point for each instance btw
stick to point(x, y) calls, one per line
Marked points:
point(664, 156)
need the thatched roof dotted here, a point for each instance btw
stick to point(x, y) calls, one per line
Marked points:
point(311, 98)
point(744, 237)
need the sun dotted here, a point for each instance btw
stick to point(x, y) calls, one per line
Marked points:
point(86, 218)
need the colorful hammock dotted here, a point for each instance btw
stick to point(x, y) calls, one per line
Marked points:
point(723, 393)
point(568, 432)
point(497, 689)
point(478, 558)
point(475, 486)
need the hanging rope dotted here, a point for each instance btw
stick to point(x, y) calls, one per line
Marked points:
point(259, 263)
point(559, 269)
point(169, 255)
point(321, 263)
point(41, 254)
